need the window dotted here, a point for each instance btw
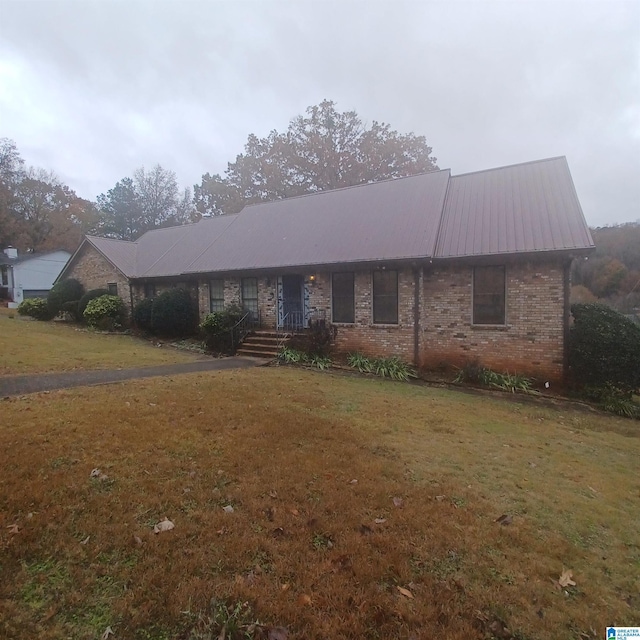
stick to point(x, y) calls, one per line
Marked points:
point(149, 290)
point(250, 295)
point(342, 297)
point(385, 297)
point(4, 276)
point(489, 295)
point(216, 295)
point(112, 288)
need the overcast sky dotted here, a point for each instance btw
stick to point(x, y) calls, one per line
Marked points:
point(93, 90)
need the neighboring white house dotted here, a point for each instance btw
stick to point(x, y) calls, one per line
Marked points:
point(30, 275)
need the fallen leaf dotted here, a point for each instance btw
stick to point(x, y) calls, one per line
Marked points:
point(354, 481)
point(137, 540)
point(304, 600)
point(278, 633)
point(565, 579)
point(223, 531)
point(380, 520)
point(294, 512)
point(271, 512)
point(278, 532)
point(273, 494)
point(285, 587)
point(398, 502)
point(228, 509)
point(86, 540)
point(107, 632)
point(164, 525)
point(405, 592)
point(365, 530)
point(440, 498)
point(505, 519)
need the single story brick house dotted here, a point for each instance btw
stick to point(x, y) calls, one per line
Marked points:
point(434, 268)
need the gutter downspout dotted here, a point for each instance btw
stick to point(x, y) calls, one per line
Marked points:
point(567, 320)
point(416, 316)
point(131, 298)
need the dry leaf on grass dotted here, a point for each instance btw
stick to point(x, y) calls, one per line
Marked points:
point(137, 540)
point(98, 475)
point(505, 519)
point(304, 600)
point(164, 525)
point(380, 520)
point(566, 578)
point(86, 540)
point(13, 528)
point(405, 592)
point(398, 502)
point(228, 509)
point(107, 632)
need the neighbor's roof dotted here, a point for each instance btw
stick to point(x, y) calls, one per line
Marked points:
point(24, 256)
point(520, 209)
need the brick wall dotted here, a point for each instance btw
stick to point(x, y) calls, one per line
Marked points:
point(94, 271)
point(532, 342)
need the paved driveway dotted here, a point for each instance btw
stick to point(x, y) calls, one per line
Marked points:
point(20, 385)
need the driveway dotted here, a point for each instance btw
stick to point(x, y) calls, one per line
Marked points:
point(20, 385)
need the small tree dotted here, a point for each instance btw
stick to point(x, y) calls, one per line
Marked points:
point(61, 292)
point(604, 349)
point(36, 308)
point(173, 314)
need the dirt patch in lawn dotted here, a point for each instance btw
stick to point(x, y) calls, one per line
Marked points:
point(335, 507)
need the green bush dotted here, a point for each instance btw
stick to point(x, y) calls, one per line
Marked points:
point(61, 292)
point(173, 313)
point(92, 294)
point(35, 308)
point(142, 314)
point(604, 349)
point(392, 367)
point(216, 329)
point(106, 313)
point(71, 308)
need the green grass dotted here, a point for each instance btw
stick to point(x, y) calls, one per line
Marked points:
point(311, 463)
point(29, 346)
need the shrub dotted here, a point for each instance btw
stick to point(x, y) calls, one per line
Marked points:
point(473, 372)
point(35, 308)
point(142, 313)
point(106, 313)
point(92, 294)
point(71, 308)
point(316, 340)
point(173, 314)
point(604, 349)
point(392, 367)
point(216, 329)
point(61, 292)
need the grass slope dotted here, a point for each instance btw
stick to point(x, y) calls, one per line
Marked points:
point(309, 462)
point(28, 346)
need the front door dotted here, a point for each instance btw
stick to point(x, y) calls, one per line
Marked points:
point(292, 302)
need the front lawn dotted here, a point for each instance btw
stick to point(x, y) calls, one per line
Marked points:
point(356, 508)
point(29, 346)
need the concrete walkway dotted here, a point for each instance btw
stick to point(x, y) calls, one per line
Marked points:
point(20, 385)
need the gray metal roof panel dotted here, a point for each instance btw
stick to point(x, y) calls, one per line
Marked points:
point(170, 251)
point(393, 219)
point(121, 253)
point(521, 208)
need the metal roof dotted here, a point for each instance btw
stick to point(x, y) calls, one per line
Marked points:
point(121, 253)
point(525, 208)
point(522, 208)
point(393, 219)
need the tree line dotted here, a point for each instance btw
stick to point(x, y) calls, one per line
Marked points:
point(323, 149)
point(612, 274)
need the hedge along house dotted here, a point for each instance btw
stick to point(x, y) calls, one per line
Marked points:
point(433, 268)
